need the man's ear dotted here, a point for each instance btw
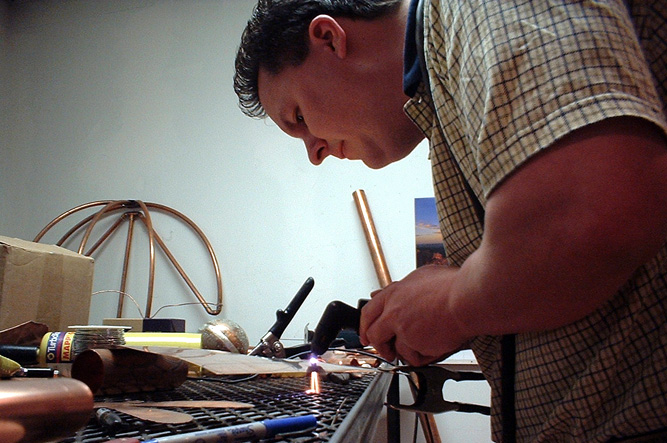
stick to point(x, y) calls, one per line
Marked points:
point(326, 33)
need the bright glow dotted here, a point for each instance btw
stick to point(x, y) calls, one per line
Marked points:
point(313, 361)
point(314, 383)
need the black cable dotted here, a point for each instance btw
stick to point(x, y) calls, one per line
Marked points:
point(224, 379)
point(507, 373)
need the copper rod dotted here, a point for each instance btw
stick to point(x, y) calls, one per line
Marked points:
point(67, 214)
point(74, 229)
point(104, 236)
point(126, 262)
point(183, 274)
point(211, 252)
point(111, 205)
point(372, 239)
point(427, 421)
point(151, 255)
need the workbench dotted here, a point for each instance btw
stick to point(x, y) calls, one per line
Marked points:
point(346, 413)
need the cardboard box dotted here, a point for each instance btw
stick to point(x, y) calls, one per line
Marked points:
point(43, 283)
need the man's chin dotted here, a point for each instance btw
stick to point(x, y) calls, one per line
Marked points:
point(375, 163)
point(379, 163)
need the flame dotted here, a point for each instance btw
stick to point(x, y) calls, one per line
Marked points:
point(314, 383)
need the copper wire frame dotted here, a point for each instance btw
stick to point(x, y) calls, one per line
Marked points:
point(132, 210)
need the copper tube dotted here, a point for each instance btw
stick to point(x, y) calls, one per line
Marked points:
point(109, 206)
point(41, 410)
point(66, 214)
point(104, 236)
point(124, 370)
point(151, 255)
point(427, 421)
point(372, 239)
point(126, 261)
point(214, 259)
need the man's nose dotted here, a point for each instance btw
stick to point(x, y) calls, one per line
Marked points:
point(317, 148)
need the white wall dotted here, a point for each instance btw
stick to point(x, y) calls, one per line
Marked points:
point(133, 99)
point(4, 88)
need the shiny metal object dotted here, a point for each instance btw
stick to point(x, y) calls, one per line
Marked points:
point(131, 210)
point(40, 410)
point(269, 346)
point(224, 335)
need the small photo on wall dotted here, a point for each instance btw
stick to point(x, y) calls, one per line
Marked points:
point(428, 238)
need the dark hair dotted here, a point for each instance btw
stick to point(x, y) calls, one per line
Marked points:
point(276, 36)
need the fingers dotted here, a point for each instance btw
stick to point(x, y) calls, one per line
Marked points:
point(369, 314)
point(377, 327)
point(386, 349)
point(411, 356)
point(373, 330)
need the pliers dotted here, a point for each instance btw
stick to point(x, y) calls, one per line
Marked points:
point(429, 395)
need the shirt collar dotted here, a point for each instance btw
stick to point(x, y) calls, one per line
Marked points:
point(411, 71)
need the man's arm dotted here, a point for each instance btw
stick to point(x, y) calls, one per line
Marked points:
point(562, 234)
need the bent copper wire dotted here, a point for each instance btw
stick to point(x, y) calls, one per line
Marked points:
point(136, 209)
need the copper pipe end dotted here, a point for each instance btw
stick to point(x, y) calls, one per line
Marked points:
point(29, 408)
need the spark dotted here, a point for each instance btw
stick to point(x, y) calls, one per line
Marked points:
point(314, 383)
point(314, 377)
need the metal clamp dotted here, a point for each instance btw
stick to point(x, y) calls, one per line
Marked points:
point(270, 345)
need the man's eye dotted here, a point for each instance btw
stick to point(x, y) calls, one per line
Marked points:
point(299, 118)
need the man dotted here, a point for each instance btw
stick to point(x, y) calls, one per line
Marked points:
point(546, 123)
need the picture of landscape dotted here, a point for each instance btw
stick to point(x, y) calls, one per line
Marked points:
point(428, 238)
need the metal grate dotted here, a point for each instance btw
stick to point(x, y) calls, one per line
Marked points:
point(271, 397)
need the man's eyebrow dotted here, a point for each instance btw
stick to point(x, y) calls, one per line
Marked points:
point(283, 122)
point(286, 116)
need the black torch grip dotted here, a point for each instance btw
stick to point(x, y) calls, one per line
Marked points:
point(336, 317)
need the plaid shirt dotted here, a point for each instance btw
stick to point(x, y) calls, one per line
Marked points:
point(507, 79)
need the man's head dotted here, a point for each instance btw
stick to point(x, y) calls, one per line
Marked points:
point(277, 36)
point(329, 72)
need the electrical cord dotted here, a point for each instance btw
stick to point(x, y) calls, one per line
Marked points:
point(141, 313)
